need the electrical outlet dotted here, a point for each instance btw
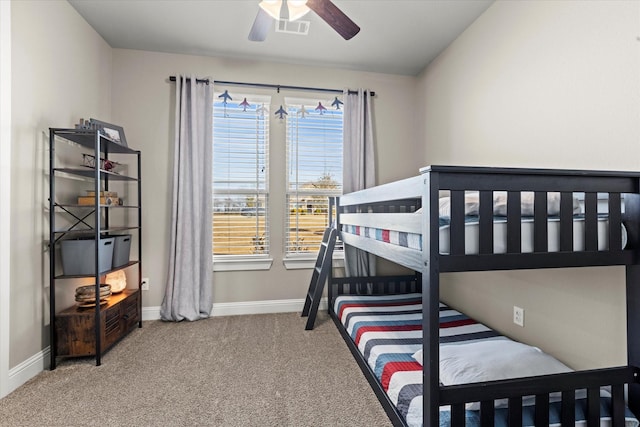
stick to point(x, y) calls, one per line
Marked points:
point(145, 284)
point(518, 316)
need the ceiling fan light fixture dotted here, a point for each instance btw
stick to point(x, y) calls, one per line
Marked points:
point(297, 9)
point(291, 10)
point(272, 7)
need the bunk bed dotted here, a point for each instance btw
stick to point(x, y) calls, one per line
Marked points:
point(537, 224)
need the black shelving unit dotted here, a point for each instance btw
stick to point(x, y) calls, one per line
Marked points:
point(92, 220)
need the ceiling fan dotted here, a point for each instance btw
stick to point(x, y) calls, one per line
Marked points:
point(294, 9)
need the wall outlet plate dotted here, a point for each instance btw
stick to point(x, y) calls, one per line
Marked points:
point(145, 284)
point(518, 316)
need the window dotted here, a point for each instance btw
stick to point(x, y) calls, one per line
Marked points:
point(240, 175)
point(314, 171)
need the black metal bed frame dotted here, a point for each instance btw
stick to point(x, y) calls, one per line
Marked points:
point(423, 191)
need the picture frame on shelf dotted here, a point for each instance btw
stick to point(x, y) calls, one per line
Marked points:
point(114, 132)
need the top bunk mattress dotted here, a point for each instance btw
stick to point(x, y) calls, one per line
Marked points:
point(413, 240)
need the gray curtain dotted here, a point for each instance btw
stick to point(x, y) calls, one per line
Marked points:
point(189, 294)
point(358, 168)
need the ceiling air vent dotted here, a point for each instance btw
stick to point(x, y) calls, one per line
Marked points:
point(292, 27)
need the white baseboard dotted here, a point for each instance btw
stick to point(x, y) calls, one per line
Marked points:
point(28, 369)
point(245, 307)
point(39, 362)
point(150, 313)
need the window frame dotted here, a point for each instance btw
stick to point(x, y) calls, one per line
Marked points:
point(306, 260)
point(243, 262)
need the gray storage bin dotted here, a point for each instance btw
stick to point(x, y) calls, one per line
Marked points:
point(121, 249)
point(78, 256)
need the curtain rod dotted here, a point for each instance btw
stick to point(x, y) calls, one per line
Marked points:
point(272, 86)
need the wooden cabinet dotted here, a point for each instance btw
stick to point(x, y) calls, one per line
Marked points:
point(76, 327)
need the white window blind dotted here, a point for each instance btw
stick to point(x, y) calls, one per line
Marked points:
point(241, 175)
point(314, 163)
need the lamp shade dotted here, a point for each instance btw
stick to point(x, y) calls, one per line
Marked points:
point(117, 280)
point(297, 9)
point(272, 7)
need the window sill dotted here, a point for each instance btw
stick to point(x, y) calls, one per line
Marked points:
point(241, 263)
point(300, 262)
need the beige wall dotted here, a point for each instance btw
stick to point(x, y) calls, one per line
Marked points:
point(541, 84)
point(61, 71)
point(5, 193)
point(143, 104)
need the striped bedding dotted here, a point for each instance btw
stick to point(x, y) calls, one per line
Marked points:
point(387, 331)
point(414, 240)
point(399, 238)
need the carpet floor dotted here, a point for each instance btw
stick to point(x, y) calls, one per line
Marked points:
point(257, 370)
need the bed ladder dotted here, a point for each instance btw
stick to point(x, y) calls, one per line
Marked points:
point(319, 277)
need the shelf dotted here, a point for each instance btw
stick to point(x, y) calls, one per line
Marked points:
point(111, 301)
point(87, 138)
point(91, 173)
point(71, 205)
point(102, 273)
point(91, 231)
point(91, 331)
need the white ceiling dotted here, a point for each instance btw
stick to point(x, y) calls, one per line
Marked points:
point(396, 37)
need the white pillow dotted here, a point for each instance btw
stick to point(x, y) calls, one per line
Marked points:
point(472, 204)
point(494, 360)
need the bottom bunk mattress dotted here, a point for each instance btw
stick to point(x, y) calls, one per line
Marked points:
point(387, 330)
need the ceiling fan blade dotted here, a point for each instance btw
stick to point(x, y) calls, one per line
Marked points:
point(333, 16)
point(260, 27)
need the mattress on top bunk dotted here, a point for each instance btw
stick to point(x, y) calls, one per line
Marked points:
point(387, 331)
point(471, 235)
